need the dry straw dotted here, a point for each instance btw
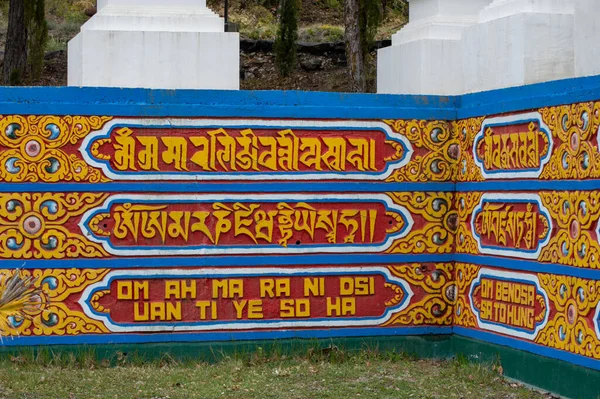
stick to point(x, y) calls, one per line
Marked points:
point(19, 299)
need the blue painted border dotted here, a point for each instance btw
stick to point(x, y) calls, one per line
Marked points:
point(529, 185)
point(292, 104)
point(228, 261)
point(216, 103)
point(528, 266)
point(295, 187)
point(222, 336)
point(539, 95)
point(212, 187)
point(529, 347)
point(304, 260)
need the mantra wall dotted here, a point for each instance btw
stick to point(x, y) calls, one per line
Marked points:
point(151, 216)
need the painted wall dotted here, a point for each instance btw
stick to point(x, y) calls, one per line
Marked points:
point(154, 216)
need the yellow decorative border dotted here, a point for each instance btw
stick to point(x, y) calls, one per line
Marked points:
point(32, 225)
point(54, 317)
point(441, 151)
point(575, 300)
point(32, 148)
point(437, 234)
point(436, 307)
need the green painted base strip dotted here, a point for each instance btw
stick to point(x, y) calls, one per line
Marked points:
point(429, 346)
point(552, 375)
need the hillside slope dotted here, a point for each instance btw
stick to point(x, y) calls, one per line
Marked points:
point(320, 21)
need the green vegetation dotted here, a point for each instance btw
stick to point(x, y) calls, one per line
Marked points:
point(256, 22)
point(327, 373)
point(318, 21)
point(35, 12)
point(64, 21)
point(321, 33)
point(287, 35)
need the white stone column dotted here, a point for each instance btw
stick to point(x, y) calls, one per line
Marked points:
point(587, 37)
point(426, 55)
point(163, 44)
point(518, 42)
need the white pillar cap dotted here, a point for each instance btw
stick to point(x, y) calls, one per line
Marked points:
point(152, 3)
point(504, 8)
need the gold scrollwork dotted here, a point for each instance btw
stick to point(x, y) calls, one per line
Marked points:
point(465, 275)
point(431, 281)
point(54, 317)
point(399, 294)
point(32, 148)
point(441, 151)
point(569, 329)
point(33, 225)
point(465, 205)
point(95, 301)
point(576, 214)
point(465, 132)
point(436, 307)
point(574, 156)
point(437, 235)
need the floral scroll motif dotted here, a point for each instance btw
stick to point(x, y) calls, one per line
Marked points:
point(465, 205)
point(569, 329)
point(20, 298)
point(33, 148)
point(465, 275)
point(436, 307)
point(465, 131)
point(34, 225)
point(576, 214)
point(54, 317)
point(437, 151)
point(437, 234)
point(575, 156)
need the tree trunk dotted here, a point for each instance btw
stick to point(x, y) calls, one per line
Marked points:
point(15, 54)
point(353, 45)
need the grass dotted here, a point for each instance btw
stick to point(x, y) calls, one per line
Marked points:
point(317, 374)
point(321, 33)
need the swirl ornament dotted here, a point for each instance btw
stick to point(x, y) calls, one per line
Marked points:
point(20, 300)
point(573, 128)
point(53, 316)
point(465, 204)
point(465, 131)
point(33, 225)
point(576, 214)
point(95, 301)
point(438, 221)
point(42, 148)
point(570, 328)
point(465, 274)
point(436, 151)
point(436, 306)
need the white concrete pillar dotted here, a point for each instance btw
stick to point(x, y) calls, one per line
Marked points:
point(426, 54)
point(518, 42)
point(162, 44)
point(587, 38)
